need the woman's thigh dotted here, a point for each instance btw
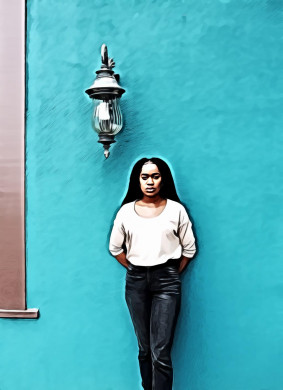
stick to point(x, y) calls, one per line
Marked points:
point(166, 302)
point(138, 299)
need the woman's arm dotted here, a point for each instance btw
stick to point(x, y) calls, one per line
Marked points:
point(187, 240)
point(117, 239)
point(184, 262)
point(122, 259)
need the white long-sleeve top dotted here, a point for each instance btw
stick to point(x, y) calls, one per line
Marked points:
point(152, 241)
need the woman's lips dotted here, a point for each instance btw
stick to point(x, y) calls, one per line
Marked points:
point(150, 189)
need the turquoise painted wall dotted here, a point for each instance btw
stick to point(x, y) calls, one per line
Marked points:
point(203, 84)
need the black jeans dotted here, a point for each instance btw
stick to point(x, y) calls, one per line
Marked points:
point(153, 296)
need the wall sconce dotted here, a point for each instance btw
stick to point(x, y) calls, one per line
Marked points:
point(107, 118)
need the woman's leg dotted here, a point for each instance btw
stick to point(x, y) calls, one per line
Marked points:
point(139, 303)
point(166, 290)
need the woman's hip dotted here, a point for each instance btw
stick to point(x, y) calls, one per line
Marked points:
point(163, 278)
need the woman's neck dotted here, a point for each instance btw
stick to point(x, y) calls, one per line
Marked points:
point(150, 207)
point(156, 200)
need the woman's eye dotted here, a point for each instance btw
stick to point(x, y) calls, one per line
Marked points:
point(154, 177)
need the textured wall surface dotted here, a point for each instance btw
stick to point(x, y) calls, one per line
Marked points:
point(203, 84)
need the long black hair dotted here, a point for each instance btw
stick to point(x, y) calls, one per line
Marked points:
point(167, 191)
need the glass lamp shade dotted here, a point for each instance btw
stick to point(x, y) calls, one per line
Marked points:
point(107, 116)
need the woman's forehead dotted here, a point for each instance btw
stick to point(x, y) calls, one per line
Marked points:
point(150, 168)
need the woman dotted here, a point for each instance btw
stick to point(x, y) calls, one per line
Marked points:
point(154, 229)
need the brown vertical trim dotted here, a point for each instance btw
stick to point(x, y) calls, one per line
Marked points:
point(12, 155)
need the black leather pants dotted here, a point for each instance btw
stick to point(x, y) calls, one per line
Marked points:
point(153, 296)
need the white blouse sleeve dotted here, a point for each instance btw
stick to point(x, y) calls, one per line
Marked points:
point(186, 235)
point(117, 236)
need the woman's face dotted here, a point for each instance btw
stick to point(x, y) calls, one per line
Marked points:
point(150, 179)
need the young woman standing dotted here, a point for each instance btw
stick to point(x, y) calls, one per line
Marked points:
point(152, 237)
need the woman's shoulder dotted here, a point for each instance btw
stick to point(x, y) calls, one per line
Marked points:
point(125, 209)
point(174, 204)
point(177, 209)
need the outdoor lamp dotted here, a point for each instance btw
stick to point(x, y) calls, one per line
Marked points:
point(107, 118)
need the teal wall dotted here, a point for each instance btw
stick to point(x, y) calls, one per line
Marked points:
point(203, 84)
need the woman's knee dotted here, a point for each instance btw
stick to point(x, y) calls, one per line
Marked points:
point(161, 357)
point(144, 354)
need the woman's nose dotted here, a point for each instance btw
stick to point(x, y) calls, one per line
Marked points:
point(150, 180)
